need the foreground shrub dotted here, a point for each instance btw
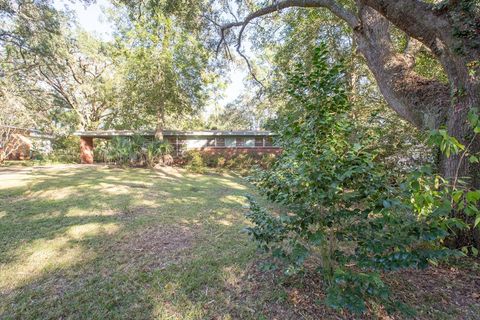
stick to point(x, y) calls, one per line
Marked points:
point(343, 207)
point(195, 162)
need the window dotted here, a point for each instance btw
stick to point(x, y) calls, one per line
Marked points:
point(196, 143)
point(220, 142)
point(211, 142)
point(250, 142)
point(240, 142)
point(230, 142)
point(182, 143)
point(259, 142)
point(172, 140)
point(268, 142)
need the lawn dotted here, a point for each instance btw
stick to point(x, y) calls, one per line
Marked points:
point(89, 242)
point(99, 243)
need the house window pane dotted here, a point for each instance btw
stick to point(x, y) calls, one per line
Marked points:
point(250, 143)
point(220, 142)
point(268, 142)
point(259, 142)
point(230, 142)
point(182, 143)
point(240, 142)
point(211, 142)
point(196, 143)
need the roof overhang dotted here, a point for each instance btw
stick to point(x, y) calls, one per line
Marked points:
point(167, 133)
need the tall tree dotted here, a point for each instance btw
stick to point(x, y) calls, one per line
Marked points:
point(65, 75)
point(448, 29)
point(165, 62)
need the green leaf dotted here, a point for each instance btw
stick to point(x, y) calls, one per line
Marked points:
point(477, 221)
point(473, 196)
point(471, 210)
point(457, 195)
point(474, 251)
point(473, 159)
point(473, 117)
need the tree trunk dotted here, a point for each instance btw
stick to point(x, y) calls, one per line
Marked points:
point(160, 123)
point(164, 58)
point(451, 30)
point(458, 170)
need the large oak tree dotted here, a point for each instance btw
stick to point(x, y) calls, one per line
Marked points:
point(449, 29)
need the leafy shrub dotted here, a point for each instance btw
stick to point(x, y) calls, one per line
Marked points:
point(210, 160)
point(221, 162)
point(241, 163)
point(156, 151)
point(135, 150)
point(195, 162)
point(66, 149)
point(343, 206)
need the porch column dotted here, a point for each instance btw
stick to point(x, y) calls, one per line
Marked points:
point(86, 150)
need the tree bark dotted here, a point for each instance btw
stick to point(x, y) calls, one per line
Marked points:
point(452, 32)
point(160, 122)
point(425, 103)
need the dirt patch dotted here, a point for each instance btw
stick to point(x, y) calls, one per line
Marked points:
point(276, 296)
point(444, 290)
point(155, 247)
point(435, 293)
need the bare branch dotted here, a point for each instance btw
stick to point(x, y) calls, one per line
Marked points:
point(337, 9)
point(250, 70)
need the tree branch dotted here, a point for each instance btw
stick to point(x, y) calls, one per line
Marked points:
point(337, 9)
point(416, 18)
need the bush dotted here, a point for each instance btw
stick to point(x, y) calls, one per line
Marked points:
point(135, 150)
point(66, 149)
point(195, 162)
point(241, 163)
point(343, 206)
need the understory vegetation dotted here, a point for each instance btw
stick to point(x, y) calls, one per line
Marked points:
point(342, 207)
point(241, 163)
point(135, 150)
point(132, 243)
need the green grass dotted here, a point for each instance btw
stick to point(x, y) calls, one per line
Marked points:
point(98, 243)
point(89, 242)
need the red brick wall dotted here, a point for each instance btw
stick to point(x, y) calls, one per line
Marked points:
point(86, 150)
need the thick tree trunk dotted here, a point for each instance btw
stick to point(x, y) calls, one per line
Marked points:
point(425, 103)
point(458, 170)
point(422, 102)
point(451, 30)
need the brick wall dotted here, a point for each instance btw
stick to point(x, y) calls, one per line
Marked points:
point(231, 152)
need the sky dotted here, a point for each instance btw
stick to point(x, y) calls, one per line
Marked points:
point(92, 19)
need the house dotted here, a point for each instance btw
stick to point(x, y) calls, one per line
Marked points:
point(226, 143)
point(21, 143)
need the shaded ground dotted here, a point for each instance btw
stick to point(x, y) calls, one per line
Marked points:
point(90, 242)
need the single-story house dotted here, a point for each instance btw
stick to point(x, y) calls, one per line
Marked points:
point(227, 143)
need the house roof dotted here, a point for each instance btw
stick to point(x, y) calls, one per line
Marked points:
point(202, 133)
